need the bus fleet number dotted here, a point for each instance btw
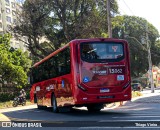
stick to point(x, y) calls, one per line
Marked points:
point(115, 71)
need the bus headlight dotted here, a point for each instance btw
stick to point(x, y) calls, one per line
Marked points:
point(81, 87)
point(125, 86)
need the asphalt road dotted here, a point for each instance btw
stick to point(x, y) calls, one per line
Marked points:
point(141, 113)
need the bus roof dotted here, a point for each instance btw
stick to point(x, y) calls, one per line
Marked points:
point(75, 41)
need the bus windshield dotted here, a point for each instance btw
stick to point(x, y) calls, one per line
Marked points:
point(99, 52)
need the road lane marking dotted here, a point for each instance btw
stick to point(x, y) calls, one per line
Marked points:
point(136, 116)
point(127, 120)
point(25, 111)
point(121, 128)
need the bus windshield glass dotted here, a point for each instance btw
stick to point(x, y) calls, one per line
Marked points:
point(100, 52)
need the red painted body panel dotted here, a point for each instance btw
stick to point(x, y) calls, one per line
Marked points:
point(103, 85)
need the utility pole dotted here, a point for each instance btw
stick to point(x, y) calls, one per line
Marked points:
point(149, 61)
point(109, 19)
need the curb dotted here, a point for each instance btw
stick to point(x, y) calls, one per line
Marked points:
point(118, 104)
point(4, 118)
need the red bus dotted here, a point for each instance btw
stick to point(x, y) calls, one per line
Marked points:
point(85, 72)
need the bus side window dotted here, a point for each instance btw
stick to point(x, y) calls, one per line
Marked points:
point(40, 73)
point(49, 68)
point(31, 76)
point(45, 71)
point(35, 74)
point(53, 67)
point(62, 69)
point(33, 80)
point(64, 62)
point(67, 61)
point(61, 61)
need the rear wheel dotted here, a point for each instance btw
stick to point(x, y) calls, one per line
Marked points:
point(35, 98)
point(54, 104)
point(24, 103)
point(41, 107)
point(94, 108)
point(64, 109)
point(90, 109)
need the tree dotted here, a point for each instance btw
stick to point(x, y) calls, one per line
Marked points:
point(155, 51)
point(133, 29)
point(31, 24)
point(14, 64)
point(59, 21)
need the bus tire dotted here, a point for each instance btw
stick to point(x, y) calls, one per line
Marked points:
point(39, 106)
point(54, 104)
point(94, 108)
point(64, 109)
point(35, 98)
point(90, 109)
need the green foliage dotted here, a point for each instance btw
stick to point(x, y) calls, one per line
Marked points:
point(49, 24)
point(133, 29)
point(28, 94)
point(14, 64)
point(61, 21)
point(6, 97)
point(136, 94)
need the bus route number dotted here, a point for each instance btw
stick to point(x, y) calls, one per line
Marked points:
point(115, 71)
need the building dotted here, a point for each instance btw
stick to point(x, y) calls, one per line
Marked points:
point(8, 18)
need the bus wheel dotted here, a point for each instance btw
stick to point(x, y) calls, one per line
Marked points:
point(64, 109)
point(54, 103)
point(41, 107)
point(94, 108)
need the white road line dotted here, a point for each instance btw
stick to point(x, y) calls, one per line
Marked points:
point(127, 120)
point(135, 116)
point(25, 111)
point(37, 111)
point(132, 114)
point(117, 127)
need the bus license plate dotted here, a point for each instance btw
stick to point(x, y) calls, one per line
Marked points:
point(103, 97)
point(104, 90)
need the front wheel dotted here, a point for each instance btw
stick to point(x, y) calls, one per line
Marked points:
point(41, 107)
point(54, 104)
point(15, 104)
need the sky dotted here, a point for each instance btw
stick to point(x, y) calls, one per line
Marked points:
point(150, 10)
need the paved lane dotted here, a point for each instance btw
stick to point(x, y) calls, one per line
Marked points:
point(143, 111)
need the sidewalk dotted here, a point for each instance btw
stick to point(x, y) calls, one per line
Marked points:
point(5, 118)
point(147, 93)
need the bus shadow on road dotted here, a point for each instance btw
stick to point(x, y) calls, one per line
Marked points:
point(35, 114)
point(84, 112)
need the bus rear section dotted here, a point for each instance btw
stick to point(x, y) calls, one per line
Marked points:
point(104, 72)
